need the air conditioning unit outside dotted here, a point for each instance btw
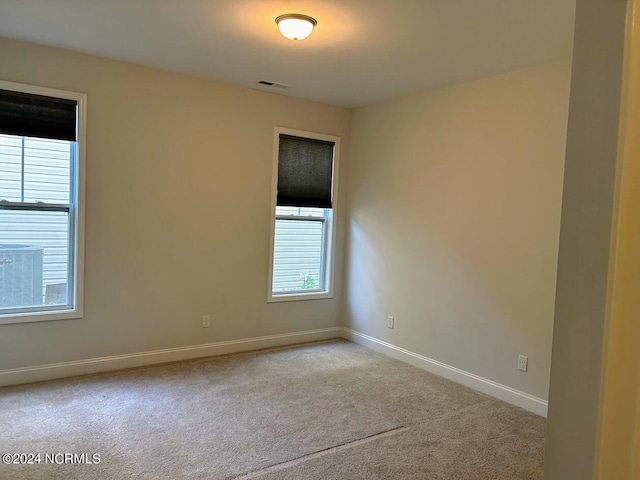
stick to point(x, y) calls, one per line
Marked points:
point(20, 276)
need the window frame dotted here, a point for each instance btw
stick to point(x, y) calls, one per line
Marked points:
point(76, 215)
point(329, 221)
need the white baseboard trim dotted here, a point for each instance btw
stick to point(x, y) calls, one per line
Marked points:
point(489, 387)
point(39, 373)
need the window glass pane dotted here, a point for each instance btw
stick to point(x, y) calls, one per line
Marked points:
point(35, 169)
point(34, 258)
point(298, 255)
point(46, 170)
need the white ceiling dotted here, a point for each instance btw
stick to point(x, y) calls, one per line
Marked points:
point(361, 52)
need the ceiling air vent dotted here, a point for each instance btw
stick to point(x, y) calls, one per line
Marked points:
point(273, 84)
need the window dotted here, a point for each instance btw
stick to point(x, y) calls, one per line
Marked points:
point(41, 207)
point(303, 215)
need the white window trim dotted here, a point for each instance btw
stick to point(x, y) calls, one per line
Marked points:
point(327, 291)
point(78, 211)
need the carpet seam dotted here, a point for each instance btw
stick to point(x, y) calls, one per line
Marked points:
point(320, 453)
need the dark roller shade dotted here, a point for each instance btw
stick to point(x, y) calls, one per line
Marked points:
point(31, 115)
point(305, 169)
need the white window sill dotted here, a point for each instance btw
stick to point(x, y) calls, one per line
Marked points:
point(31, 317)
point(294, 297)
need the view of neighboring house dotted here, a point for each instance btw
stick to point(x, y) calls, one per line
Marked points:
point(34, 245)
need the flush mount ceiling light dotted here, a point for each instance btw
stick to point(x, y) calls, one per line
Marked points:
point(295, 25)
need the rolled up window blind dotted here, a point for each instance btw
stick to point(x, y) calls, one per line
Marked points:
point(30, 115)
point(305, 172)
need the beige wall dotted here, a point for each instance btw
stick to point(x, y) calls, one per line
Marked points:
point(177, 209)
point(454, 214)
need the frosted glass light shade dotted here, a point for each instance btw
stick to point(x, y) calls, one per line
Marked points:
point(295, 25)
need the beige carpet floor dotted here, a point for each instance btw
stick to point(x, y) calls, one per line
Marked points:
point(331, 410)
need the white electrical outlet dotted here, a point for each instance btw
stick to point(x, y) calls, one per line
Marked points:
point(390, 322)
point(523, 363)
point(206, 321)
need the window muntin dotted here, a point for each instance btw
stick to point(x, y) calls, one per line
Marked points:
point(40, 208)
point(303, 235)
